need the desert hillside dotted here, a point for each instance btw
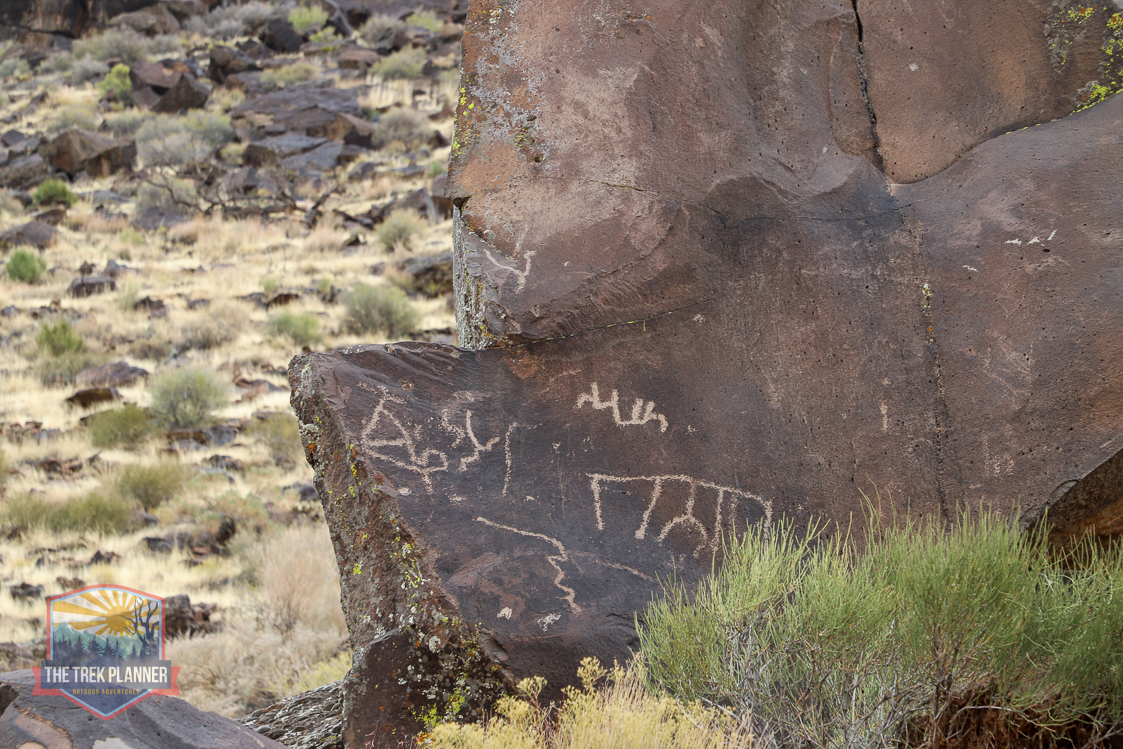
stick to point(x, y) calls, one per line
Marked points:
point(187, 199)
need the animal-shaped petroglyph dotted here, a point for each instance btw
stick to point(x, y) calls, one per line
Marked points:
point(687, 517)
point(555, 560)
point(642, 412)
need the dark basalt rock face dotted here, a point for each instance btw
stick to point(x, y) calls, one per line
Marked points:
point(696, 295)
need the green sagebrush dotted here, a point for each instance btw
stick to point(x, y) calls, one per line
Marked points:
point(823, 646)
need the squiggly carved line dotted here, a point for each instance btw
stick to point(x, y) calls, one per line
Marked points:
point(553, 560)
point(593, 397)
point(476, 444)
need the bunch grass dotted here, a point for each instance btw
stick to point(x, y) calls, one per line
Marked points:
point(819, 645)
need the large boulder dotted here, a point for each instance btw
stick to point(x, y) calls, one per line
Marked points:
point(78, 150)
point(693, 295)
point(156, 722)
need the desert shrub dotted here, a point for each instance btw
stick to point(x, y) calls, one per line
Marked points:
point(819, 645)
point(3, 469)
point(26, 266)
point(621, 714)
point(162, 191)
point(302, 329)
point(285, 585)
point(128, 425)
point(60, 63)
point(71, 117)
point(86, 69)
point(207, 334)
point(378, 27)
point(403, 125)
point(306, 19)
point(326, 34)
point(290, 75)
point(399, 229)
point(187, 398)
point(58, 338)
point(280, 434)
point(51, 191)
point(119, 83)
point(127, 46)
point(122, 44)
point(175, 141)
point(426, 19)
point(9, 206)
point(125, 123)
point(151, 485)
point(403, 64)
point(386, 309)
point(95, 512)
point(230, 21)
point(14, 67)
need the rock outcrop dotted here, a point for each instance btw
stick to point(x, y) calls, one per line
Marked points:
point(695, 293)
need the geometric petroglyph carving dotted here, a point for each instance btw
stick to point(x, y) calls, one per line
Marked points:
point(686, 516)
point(648, 409)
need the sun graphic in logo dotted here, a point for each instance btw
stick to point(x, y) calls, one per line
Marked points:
point(115, 612)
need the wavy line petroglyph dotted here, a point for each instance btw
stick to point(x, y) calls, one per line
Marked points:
point(519, 274)
point(687, 517)
point(418, 461)
point(637, 419)
point(555, 561)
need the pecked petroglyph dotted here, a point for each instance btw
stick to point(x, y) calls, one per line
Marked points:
point(642, 412)
point(687, 517)
point(555, 560)
point(409, 457)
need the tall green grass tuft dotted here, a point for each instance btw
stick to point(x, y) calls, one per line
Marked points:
point(821, 646)
point(188, 398)
point(151, 485)
point(128, 426)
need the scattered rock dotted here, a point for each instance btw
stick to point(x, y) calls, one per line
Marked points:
point(321, 158)
point(70, 583)
point(79, 150)
point(53, 216)
point(156, 721)
point(85, 286)
point(273, 150)
point(225, 463)
point(181, 619)
point(159, 545)
point(25, 592)
point(93, 396)
point(56, 467)
point(431, 275)
point(193, 439)
point(154, 21)
point(24, 172)
point(152, 75)
point(10, 311)
point(357, 58)
point(309, 110)
point(113, 269)
point(279, 35)
point(102, 557)
point(187, 93)
point(115, 375)
point(227, 61)
point(35, 234)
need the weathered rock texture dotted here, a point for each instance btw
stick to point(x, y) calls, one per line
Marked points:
point(158, 722)
point(696, 294)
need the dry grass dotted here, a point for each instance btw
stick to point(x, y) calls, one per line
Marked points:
point(619, 715)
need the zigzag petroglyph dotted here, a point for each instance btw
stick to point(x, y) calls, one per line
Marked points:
point(637, 419)
point(554, 560)
point(687, 516)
